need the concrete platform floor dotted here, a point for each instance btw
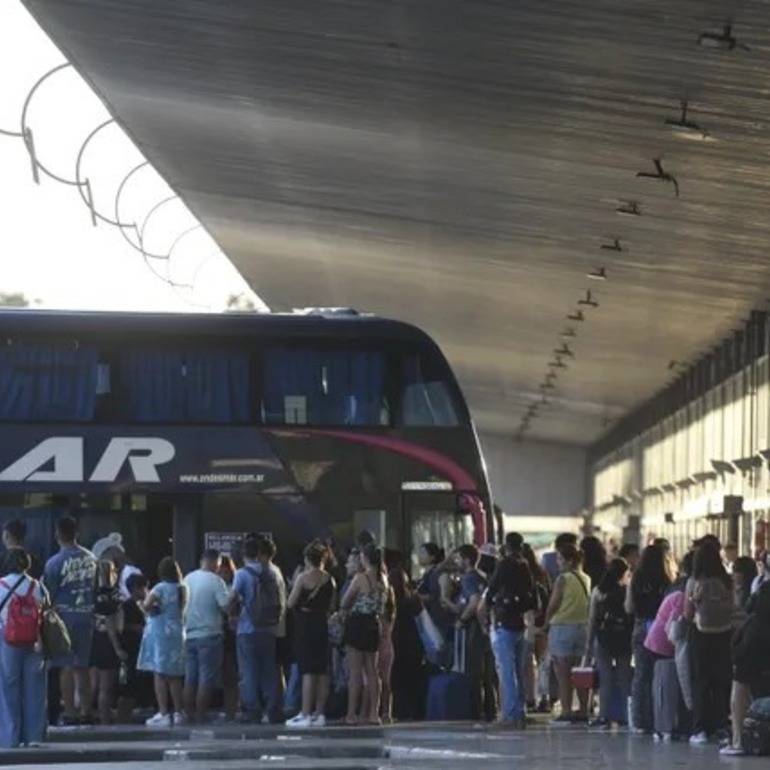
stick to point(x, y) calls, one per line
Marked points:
point(420, 746)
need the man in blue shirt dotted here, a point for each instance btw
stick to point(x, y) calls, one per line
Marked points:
point(472, 587)
point(259, 682)
point(70, 578)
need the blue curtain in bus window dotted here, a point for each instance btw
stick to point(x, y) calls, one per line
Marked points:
point(426, 400)
point(153, 385)
point(291, 375)
point(363, 390)
point(39, 541)
point(217, 386)
point(323, 387)
point(47, 382)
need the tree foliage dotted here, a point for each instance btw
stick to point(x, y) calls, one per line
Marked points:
point(14, 299)
point(237, 303)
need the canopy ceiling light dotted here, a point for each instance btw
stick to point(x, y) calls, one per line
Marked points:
point(614, 246)
point(547, 385)
point(568, 333)
point(600, 274)
point(557, 364)
point(577, 315)
point(588, 300)
point(564, 350)
point(724, 40)
point(629, 209)
point(686, 128)
point(660, 174)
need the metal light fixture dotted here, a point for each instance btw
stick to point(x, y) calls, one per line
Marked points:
point(660, 174)
point(600, 274)
point(576, 315)
point(588, 300)
point(724, 40)
point(568, 333)
point(684, 127)
point(564, 350)
point(614, 246)
point(629, 209)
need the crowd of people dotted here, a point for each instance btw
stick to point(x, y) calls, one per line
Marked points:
point(679, 648)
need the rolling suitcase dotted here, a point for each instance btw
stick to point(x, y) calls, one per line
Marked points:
point(665, 696)
point(450, 693)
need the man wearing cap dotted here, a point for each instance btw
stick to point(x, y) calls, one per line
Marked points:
point(111, 548)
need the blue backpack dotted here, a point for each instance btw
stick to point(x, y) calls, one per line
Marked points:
point(265, 609)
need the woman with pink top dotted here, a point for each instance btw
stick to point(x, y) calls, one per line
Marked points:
point(670, 711)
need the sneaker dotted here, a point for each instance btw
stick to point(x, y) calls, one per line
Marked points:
point(159, 720)
point(300, 721)
point(561, 721)
point(662, 737)
point(699, 739)
point(318, 720)
point(599, 724)
point(180, 719)
point(732, 751)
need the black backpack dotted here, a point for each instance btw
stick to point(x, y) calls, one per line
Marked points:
point(543, 591)
point(614, 625)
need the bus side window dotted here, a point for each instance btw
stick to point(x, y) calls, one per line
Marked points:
point(324, 387)
point(426, 400)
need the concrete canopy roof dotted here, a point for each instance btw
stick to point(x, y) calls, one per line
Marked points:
point(459, 164)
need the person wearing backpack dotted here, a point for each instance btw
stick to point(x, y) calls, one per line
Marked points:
point(257, 599)
point(207, 600)
point(609, 639)
point(709, 603)
point(511, 599)
point(22, 669)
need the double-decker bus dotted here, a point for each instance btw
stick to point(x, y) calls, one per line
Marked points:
point(191, 429)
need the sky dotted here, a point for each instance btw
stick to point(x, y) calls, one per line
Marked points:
point(49, 248)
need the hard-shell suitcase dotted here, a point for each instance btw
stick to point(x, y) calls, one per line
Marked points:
point(665, 696)
point(450, 693)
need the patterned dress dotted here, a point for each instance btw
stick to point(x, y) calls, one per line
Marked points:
point(162, 648)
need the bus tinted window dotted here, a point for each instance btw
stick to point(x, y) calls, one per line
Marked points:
point(175, 385)
point(324, 387)
point(426, 400)
point(47, 382)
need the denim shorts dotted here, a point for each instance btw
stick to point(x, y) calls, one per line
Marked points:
point(203, 666)
point(80, 626)
point(567, 640)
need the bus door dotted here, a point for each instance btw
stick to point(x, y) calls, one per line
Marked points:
point(432, 517)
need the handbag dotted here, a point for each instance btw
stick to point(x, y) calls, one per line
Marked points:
point(432, 639)
point(54, 637)
point(336, 629)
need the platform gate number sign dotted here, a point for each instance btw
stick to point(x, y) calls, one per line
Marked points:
point(228, 542)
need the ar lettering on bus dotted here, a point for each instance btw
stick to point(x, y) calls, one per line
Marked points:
point(63, 458)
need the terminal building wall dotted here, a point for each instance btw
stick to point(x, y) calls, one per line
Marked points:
point(540, 486)
point(698, 461)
